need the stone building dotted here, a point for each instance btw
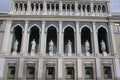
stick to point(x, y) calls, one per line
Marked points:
point(59, 40)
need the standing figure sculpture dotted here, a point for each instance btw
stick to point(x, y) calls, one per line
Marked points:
point(87, 47)
point(33, 47)
point(15, 47)
point(51, 47)
point(69, 48)
point(103, 46)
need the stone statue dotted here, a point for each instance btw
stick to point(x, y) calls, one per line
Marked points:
point(15, 46)
point(69, 46)
point(87, 46)
point(103, 47)
point(33, 46)
point(51, 47)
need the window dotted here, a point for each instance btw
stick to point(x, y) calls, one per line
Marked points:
point(30, 72)
point(117, 27)
point(88, 73)
point(107, 73)
point(50, 73)
point(70, 72)
point(11, 72)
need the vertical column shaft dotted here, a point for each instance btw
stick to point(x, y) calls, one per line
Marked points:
point(78, 38)
point(6, 39)
point(95, 39)
point(24, 40)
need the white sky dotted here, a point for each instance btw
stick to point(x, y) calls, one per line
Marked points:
point(114, 5)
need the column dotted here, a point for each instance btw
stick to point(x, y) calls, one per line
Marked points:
point(6, 39)
point(45, 7)
point(21, 68)
point(29, 7)
point(95, 35)
point(60, 70)
point(40, 69)
point(60, 38)
point(91, 7)
point(98, 69)
point(24, 39)
point(117, 68)
point(78, 38)
point(79, 67)
point(60, 7)
point(76, 7)
point(43, 38)
point(113, 38)
point(2, 62)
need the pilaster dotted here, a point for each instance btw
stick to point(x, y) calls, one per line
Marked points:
point(6, 40)
point(21, 68)
point(60, 76)
point(60, 38)
point(79, 67)
point(40, 69)
point(24, 40)
point(117, 68)
point(43, 38)
point(98, 69)
point(78, 38)
point(113, 38)
point(2, 63)
point(95, 39)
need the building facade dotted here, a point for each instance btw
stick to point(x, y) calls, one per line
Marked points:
point(59, 40)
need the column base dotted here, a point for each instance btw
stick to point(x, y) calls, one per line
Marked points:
point(117, 78)
point(79, 79)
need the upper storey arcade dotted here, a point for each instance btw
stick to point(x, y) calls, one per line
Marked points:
point(60, 7)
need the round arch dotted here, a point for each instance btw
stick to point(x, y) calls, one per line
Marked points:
point(87, 27)
point(68, 26)
point(51, 25)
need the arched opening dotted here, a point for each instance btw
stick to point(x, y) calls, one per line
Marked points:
point(95, 8)
point(25, 6)
point(32, 7)
point(34, 34)
point(102, 36)
point(86, 36)
point(79, 8)
point(48, 7)
point(57, 7)
point(99, 8)
point(103, 9)
point(51, 35)
point(73, 7)
point(17, 35)
point(83, 8)
point(68, 7)
point(41, 7)
point(16, 6)
point(53, 7)
point(64, 7)
point(88, 8)
point(21, 6)
point(37, 6)
point(69, 35)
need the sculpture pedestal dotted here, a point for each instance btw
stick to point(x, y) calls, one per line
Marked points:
point(87, 54)
point(14, 53)
point(32, 53)
point(69, 54)
point(50, 54)
point(105, 53)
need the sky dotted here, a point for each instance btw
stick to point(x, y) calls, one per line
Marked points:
point(114, 5)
